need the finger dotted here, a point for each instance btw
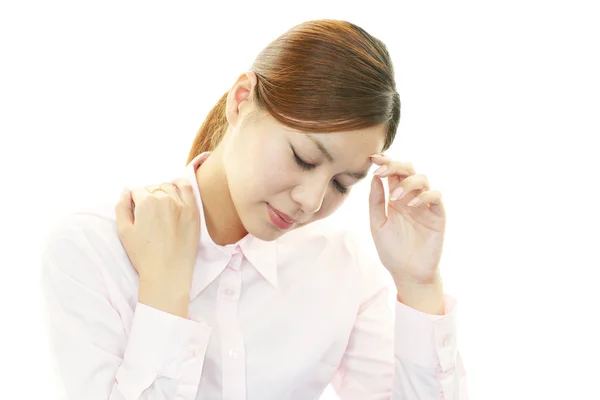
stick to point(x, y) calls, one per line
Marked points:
point(438, 209)
point(186, 191)
point(395, 168)
point(156, 191)
point(377, 204)
point(199, 159)
point(380, 159)
point(172, 191)
point(124, 212)
point(431, 198)
point(408, 185)
point(427, 197)
point(137, 196)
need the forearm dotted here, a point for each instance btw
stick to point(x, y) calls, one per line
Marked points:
point(427, 298)
point(173, 300)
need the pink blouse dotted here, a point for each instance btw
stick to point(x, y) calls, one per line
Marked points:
point(267, 320)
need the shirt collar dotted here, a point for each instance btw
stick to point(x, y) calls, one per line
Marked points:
point(213, 258)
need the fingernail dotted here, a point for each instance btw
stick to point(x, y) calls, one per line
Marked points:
point(414, 202)
point(396, 194)
point(124, 192)
point(379, 155)
point(381, 170)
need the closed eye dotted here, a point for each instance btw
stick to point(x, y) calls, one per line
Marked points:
point(301, 163)
point(340, 188)
point(307, 167)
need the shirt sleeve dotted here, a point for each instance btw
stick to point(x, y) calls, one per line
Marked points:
point(160, 358)
point(414, 357)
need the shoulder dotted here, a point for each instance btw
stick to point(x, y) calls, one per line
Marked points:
point(93, 224)
point(83, 242)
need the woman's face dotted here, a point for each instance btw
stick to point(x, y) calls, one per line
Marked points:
point(273, 170)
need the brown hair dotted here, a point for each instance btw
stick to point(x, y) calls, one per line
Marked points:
point(320, 76)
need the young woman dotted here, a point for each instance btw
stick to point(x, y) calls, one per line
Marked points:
point(210, 286)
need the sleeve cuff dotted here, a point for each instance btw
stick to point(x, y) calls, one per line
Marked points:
point(166, 344)
point(425, 339)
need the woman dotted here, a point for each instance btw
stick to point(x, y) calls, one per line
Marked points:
point(210, 286)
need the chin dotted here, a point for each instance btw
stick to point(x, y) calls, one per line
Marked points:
point(260, 226)
point(263, 230)
point(266, 236)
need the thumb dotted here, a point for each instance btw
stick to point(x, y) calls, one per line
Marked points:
point(377, 204)
point(124, 211)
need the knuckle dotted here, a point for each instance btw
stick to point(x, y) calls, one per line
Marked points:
point(407, 166)
point(431, 195)
point(413, 180)
point(170, 203)
point(165, 199)
point(184, 184)
point(149, 201)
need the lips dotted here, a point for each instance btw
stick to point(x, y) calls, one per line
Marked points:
point(281, 220)
point(283, 216)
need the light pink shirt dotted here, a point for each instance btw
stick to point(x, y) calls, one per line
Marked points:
point(267, 320)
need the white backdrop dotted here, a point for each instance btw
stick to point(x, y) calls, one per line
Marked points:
point(500, 108)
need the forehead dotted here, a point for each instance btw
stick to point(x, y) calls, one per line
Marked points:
point(366, 140)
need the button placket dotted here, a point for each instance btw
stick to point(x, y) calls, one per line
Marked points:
point(232, 344)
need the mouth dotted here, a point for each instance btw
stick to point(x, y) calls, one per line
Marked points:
point(280, 219)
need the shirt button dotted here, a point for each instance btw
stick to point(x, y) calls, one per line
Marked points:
point(447, 342)
point(229, 292)
point(233, 353)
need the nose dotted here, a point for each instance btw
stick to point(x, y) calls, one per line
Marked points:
point(310, 195)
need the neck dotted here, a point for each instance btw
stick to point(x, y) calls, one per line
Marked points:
point(222, 221)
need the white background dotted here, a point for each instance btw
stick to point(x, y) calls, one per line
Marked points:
point(500, 108)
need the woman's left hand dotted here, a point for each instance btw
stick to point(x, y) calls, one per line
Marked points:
point(410, 237)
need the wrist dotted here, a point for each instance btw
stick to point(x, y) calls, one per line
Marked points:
point(170, 298)
point(174, 281)
point(405, 279)
point(425, 297)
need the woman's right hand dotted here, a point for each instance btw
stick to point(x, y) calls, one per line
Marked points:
point(159, 227)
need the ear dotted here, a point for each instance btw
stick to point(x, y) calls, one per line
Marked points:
point(240, 95)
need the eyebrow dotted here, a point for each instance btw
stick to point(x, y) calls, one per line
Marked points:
point(327, 154)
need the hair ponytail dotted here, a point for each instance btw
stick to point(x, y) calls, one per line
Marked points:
point(212, 130)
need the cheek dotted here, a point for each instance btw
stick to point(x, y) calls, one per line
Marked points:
point(279, 171)
point(277, 179)
point(268, 174)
